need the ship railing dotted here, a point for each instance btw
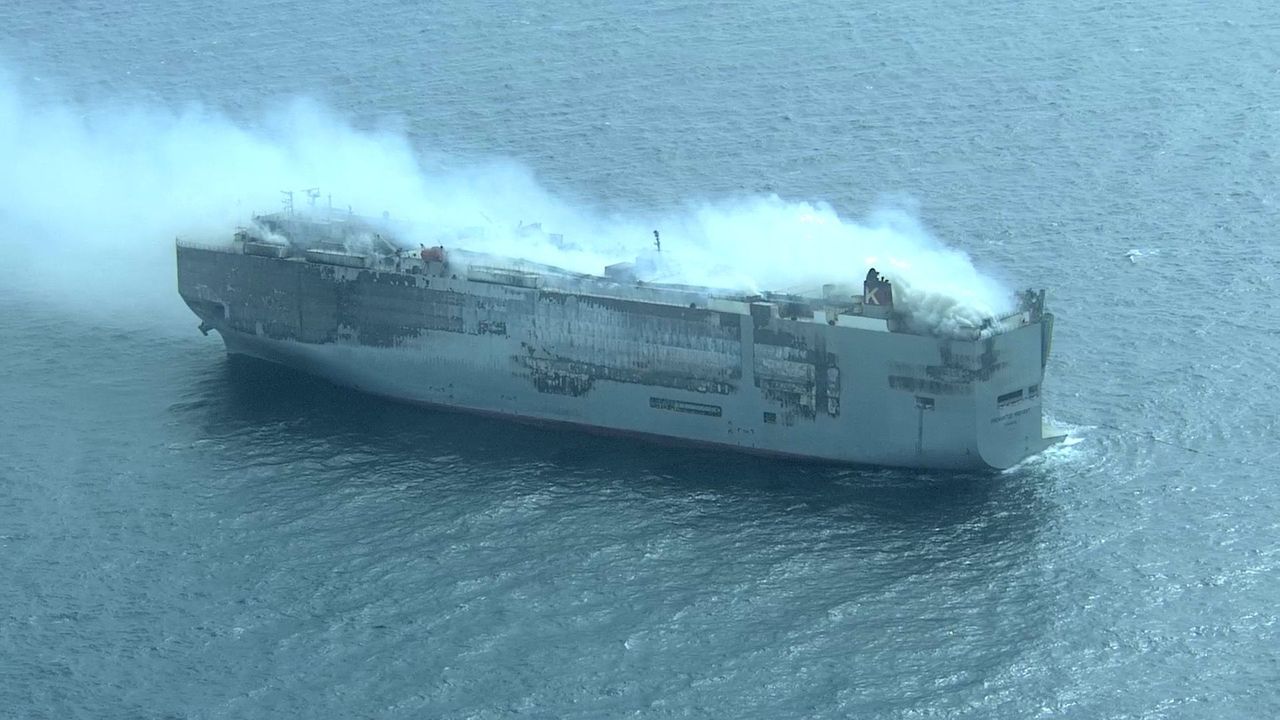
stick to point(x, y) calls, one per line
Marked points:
point(197, 245)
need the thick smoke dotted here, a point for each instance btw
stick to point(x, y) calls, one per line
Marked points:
point(768, 243)
point(91, 199)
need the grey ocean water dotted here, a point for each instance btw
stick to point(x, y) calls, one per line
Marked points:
point(185, 536)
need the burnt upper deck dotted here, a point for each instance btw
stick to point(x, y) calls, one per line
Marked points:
point(350, 240)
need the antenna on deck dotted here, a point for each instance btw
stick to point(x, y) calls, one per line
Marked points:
point(312, 195)
point(288, 201)
point(657, 241)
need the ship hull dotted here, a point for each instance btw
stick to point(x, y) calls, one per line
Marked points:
point(703, 373)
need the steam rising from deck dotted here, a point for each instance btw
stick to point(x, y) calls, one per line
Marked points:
point(92, 199)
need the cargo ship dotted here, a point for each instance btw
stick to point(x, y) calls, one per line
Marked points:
point(835, 375)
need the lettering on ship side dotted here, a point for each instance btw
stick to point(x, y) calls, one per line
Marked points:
point(1008, 418)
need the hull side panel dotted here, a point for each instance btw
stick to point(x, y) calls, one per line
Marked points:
point(695, 374)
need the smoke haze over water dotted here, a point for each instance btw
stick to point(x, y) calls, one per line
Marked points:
point(93, 197)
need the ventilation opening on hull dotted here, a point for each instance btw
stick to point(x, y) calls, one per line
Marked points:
point(771, 418)
point(1009, 398)
point(685, 406)
point(924, 403)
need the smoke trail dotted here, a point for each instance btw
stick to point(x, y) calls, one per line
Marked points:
point(769, 243)
point(91, 199)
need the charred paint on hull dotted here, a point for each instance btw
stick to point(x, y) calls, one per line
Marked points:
point(653, 362)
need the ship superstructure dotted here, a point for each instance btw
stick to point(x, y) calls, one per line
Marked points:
point(836, 375)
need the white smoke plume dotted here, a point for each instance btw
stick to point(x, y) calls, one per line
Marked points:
point(91, 199)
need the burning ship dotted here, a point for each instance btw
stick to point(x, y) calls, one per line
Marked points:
point(836, 375)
